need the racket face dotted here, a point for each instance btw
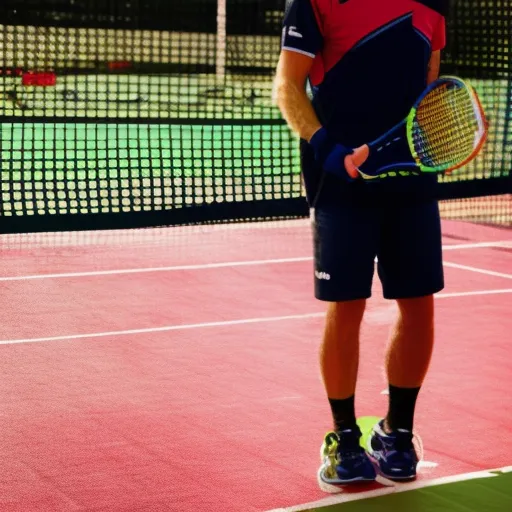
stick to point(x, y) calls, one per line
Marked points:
point(447, 127)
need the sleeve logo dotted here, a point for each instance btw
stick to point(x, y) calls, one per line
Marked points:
point(292, 32)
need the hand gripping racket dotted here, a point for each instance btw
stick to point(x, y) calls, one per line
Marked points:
point(445, 129)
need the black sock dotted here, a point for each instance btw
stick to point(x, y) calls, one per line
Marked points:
point(402, 402)
point(343, 413)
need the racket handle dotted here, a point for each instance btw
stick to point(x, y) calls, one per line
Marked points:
point(390, 151)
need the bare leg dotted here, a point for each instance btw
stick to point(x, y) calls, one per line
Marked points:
point(408, 358)
point(339, 358)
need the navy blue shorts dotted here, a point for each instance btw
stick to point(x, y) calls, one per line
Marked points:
point(406, 239)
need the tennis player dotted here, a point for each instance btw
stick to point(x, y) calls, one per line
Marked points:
point(349, 70)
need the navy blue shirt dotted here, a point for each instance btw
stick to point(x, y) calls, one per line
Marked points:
point(370, 64)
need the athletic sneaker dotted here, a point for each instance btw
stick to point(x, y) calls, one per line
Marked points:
point(393, 453)
point(344, 460)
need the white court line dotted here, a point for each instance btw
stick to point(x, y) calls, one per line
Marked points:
point(468, 294)
point(226, 264)
point(218, 324)
point(478, 270)
point(167, 328)
point(420, 484)
point(507, 244)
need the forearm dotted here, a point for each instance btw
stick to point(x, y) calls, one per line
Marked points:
point(296, 108)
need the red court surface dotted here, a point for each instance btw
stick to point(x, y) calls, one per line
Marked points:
point(176, 369)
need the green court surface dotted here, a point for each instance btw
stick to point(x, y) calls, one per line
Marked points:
point(492, 493)
point(96, 167)
point(34, 151)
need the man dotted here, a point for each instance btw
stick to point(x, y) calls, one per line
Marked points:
point(366, 62)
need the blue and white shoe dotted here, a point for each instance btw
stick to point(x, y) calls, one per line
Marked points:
point(394, 453)
point(344, 460)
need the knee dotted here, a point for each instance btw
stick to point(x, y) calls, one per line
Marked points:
point(347, 315)
point(417, 311)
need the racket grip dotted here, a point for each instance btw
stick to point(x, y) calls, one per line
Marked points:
point(388, 152)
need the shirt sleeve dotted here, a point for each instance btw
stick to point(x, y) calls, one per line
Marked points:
point(301, 31)
point(439, 35)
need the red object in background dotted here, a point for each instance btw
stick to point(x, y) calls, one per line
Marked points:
point(39, 78)
point(119, 64)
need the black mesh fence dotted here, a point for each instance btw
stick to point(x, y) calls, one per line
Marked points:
point(149, 112)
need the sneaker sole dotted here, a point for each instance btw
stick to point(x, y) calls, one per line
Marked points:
point(334, 487)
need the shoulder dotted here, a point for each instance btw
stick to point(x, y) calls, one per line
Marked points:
point(440, 6)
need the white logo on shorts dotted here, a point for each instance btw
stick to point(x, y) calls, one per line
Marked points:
point(322, 275)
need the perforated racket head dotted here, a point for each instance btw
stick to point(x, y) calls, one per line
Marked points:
point(447, 127)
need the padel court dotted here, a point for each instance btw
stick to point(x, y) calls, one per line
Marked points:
point(176, 369)
point(158, 332)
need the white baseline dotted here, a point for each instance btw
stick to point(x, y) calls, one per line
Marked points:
point(249, 263)
point(420, 484)
point(225, 323)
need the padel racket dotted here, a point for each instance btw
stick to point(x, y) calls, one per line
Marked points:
point(445, 129)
